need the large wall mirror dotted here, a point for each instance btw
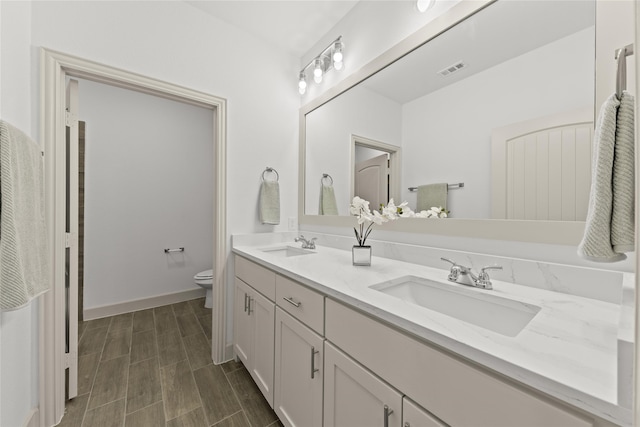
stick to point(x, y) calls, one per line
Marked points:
point(502, 102)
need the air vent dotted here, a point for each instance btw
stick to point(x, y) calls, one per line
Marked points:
point(452, 68)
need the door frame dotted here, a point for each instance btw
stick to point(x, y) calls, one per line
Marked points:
point(54, 68)
point(395, 160)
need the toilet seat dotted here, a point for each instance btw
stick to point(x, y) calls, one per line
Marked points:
point(204, 275)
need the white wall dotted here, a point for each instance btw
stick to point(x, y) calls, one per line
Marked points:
point(329, 129)
point(18, 329)
point(148, 186)
point(447, 134)
point(170, 41)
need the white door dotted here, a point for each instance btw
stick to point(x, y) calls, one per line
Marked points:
point(354, 397)
point(371, 181)
point(71, 239)
point(298, 373)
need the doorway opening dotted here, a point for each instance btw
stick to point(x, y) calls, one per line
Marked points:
point(375, 171)
point(56, 67)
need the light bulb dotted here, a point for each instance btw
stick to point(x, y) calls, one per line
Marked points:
point(338, 65)
point(337, 55)
point(424, 5)
point(317, 71)
point(302, 84)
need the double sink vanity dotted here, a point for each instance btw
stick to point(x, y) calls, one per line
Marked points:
point(397, 344)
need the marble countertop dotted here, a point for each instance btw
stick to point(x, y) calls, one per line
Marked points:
point(568, 350)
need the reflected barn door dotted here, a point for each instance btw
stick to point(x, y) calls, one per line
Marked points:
point(371, 181)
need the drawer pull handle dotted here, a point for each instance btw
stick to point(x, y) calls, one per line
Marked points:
point(245, 302)
point(313, 362)
point(387, 412)
point(292, 302)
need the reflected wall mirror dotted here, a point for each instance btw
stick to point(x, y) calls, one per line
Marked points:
point(502, 101)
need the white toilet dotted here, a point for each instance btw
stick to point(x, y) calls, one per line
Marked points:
point(205, 279)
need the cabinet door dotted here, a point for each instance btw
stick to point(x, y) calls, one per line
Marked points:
point(298, 373)
point(354, 397)
point(414, 416)
point(262, 314)
point(241, 322)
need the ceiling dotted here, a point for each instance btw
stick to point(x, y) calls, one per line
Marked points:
point(293, 25)
point(498, 33)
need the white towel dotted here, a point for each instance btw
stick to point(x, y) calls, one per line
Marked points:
point(328, 205)
point(623, 215)
point(23, 235)
point(611, 186)
point(270, 202)
point(432, 195)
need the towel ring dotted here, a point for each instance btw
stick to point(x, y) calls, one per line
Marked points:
point(269, 169)
point(326, 175)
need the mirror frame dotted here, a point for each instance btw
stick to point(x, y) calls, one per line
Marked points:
point(549, 232)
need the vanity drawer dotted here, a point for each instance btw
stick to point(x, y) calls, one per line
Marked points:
point(261, 279)
point(440, 382)
point(301, 302)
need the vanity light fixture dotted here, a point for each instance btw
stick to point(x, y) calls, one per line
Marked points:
point(331, 57)
point(424, 5)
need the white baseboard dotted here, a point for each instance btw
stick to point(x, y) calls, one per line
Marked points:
point(142, 304)
point(33, 419)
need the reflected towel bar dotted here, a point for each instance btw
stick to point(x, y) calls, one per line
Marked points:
point(449, 186)
point(167, 250)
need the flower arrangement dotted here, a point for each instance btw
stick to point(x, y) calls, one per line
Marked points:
point(360, 208)
point(433, 212)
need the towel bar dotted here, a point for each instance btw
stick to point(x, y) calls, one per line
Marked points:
point(167, 250)
point(449, 186)
point(621, 72)
point(270, 169)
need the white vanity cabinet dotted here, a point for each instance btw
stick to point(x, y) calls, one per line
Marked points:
point(455, 391)
point(354, 397)
point(254, 322)
point(299, 358)
point(298, 373)
point(415, 416)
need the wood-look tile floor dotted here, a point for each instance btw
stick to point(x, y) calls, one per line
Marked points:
point(153, 368)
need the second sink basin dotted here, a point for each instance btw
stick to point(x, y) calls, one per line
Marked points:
point(287, 251)
point(498, 314)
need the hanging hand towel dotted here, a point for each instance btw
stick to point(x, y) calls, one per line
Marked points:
point(623, 215)
point(432, 195)
point(596, 243)
point(328, 205)
point(23, 235)
point(270, 203)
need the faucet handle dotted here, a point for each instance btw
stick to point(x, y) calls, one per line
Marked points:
point(312, 243)
point(453, 263)
point(490, 267)
point(484, 281)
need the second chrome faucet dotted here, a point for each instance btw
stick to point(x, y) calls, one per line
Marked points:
point(464, 275)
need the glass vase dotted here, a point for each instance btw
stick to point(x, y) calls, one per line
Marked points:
point(361, 255)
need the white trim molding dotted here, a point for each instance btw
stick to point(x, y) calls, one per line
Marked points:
point(142, 304)
point(54, 68)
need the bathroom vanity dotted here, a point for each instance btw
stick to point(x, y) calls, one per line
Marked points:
point(329, 344)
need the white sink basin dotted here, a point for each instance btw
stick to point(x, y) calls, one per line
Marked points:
point(498, 314)
point(287, 251)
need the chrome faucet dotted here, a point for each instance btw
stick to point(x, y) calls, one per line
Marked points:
point(464, 275)
point(306, 244)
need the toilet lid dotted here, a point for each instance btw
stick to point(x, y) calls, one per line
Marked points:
point(207, 274)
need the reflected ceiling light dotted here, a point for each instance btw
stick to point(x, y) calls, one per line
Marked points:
point(337, 55)
point(331, 57)
point(424, 5)
point(302, 83)
point(317, 70)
